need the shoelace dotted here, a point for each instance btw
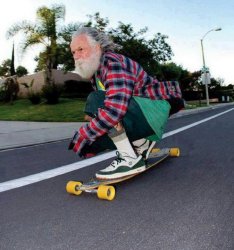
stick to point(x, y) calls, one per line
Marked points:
point(118, 159)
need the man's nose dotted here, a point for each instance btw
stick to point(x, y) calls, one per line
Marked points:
point(76, 55)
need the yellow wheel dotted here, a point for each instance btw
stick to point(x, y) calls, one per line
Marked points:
point(175, 152)
point(154, 150)
point(106, 192)
point(72, 187)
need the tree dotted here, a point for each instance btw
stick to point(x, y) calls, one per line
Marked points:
point(44, 31)
point(64, 57)
point(98, 22)
point(171, 71)
point(5, 68)
point(21, 71)
point(134, 46)
point(149, 53)
point(162, 51)
point(191, 81)
point(10, 89)
point(13, 61)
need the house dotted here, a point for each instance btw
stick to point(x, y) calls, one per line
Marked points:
point(58, 76)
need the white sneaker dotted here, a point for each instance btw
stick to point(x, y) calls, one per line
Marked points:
point(144, 148)
point(123, 165)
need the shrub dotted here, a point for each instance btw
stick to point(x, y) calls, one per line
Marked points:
point(51, 93)
point(9, 90)
point(2, 94)
point(35, 98)
point(76, 89)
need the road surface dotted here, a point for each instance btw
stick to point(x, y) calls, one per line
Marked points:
point(185, 203)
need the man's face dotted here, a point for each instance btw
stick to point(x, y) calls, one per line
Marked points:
point(86, 55)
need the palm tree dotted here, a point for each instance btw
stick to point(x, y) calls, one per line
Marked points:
point(44, 31)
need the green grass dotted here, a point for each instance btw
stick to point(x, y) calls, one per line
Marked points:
point(196, 104)
point(67, 110)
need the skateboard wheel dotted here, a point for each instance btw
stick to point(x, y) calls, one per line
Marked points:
point(106, 192)
point(175, 152)
point(154, 150)
point(72, 187)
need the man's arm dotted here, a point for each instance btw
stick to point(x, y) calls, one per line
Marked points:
point(119, 87)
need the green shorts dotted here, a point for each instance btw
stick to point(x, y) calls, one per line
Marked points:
point(145, 118)
point(156, 112)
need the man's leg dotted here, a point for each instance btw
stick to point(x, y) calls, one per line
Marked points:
point(135, 125)
point(143, 147)
point(138, 129)
point(127, 162)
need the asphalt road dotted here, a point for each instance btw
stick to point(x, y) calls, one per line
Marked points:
point(185, 203)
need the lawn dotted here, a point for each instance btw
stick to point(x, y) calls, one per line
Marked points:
point(67, 110)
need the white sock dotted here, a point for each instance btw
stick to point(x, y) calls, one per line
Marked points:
point(123, 145)
point(139, 142)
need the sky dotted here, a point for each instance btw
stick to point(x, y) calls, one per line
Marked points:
point(184, 22)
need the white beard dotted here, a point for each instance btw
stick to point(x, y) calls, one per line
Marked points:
point(87, 67)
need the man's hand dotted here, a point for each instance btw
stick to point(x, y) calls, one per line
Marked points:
point(77, 143)
point(88, 118)
point(73, 141)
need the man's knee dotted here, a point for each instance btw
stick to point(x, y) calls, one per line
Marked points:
point(94, 101)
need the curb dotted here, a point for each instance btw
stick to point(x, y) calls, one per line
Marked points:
point(199, 110)
point(67, 133)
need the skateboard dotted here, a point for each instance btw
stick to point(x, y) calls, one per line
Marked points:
point(104, 188)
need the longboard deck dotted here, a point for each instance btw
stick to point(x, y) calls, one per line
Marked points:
point(155, 158)
point(102, 188)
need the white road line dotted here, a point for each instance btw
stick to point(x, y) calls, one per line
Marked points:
point(20, 182)
point(176, 131)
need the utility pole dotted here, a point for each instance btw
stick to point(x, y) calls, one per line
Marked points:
point(205, 70)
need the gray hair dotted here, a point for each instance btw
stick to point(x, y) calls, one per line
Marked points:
point(99, 37)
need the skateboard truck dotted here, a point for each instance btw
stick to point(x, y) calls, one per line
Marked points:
point(103, 191)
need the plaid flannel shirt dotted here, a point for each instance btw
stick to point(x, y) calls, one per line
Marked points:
point(122, 79)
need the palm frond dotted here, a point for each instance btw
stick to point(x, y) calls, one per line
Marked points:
point(24, 26)
point(59, 11)
point(33, 39)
